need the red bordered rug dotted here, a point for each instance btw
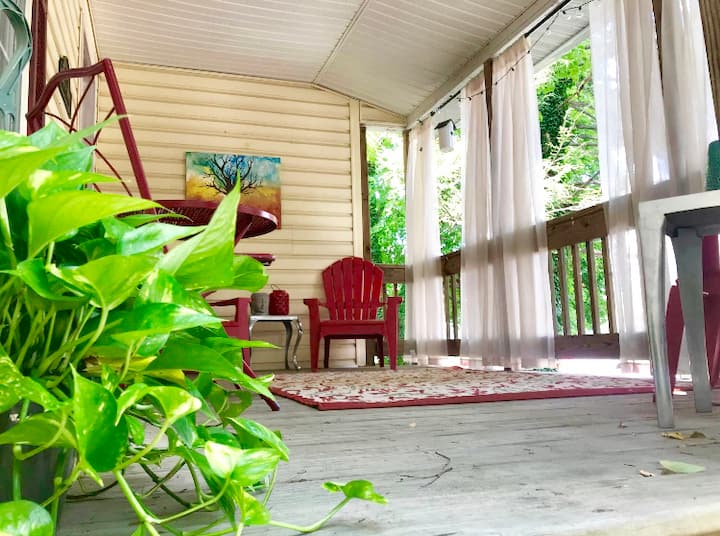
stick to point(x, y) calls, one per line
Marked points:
point(419, 386)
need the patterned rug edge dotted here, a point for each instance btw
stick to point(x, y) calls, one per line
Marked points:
point(498, 397)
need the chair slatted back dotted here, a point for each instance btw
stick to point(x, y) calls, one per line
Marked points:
point(353, 287)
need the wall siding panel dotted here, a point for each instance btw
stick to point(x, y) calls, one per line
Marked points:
point(173, 111)
point(68, 28)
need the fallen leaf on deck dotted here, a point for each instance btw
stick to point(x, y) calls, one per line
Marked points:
point(675, 435)
point(670, 466)
point(697, 435)
point(412, 425)
point(645, 473)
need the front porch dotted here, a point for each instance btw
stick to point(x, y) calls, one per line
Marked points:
point(563, 467)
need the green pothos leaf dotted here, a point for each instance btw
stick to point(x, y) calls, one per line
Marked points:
point(357, 489)
point(101, 442)
point(244, 466)
point(254, 512)
point(671, 466)
point(264, 434)
point(25, 518)
point(14, 386)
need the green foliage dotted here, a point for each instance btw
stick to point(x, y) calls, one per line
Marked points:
point(570, 158)
point(569, 133)
point(386, 196)
point(449, 180)
point(109, 338)
point(25, 518)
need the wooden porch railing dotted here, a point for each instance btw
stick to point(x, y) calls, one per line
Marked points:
point(451, 289)
point(578, 267)
point(581, 282)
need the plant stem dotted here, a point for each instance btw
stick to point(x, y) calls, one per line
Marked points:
point(57, 481)
point(142, 514)
point(101, 326)
point(138, 456)
point(160, 483)
point(314, 526)
point(66, 486)
point(17, 474)
point(5, 231)
point(61, 430)
point(13, 330)
point(126, 364)
point(271, 485)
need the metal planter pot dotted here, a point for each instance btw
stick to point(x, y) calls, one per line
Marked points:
point(37, 472)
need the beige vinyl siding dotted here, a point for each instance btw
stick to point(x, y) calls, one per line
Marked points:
point(69, 26)
point(173, 111)
point(372, 116)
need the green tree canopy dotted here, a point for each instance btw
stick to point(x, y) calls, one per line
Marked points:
point(568, 131)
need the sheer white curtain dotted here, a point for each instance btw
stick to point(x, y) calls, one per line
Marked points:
point(424, 312)
point(632, 136)
point(689, 108)
point(506, 310)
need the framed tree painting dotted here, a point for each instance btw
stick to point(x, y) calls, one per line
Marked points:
point(210, 176)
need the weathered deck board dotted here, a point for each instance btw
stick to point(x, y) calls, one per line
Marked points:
point(562, 466)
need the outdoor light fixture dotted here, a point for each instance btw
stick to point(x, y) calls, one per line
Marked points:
point(445, 135)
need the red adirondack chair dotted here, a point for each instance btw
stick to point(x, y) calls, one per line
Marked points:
point(675, 324)
point(353, 292)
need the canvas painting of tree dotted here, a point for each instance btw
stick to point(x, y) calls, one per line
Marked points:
point(210, 176)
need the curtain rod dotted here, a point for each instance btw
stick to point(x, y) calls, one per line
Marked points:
point(537, 25)
point(547, 17)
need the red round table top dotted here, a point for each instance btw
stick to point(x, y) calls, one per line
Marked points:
point(251, 221)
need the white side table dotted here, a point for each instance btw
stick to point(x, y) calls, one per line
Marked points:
point(291, 322)
point(686, 219)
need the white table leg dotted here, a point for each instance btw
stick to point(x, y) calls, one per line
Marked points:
point(688, 256)
point(652, 242)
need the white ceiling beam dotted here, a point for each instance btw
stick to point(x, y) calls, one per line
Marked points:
point(346, 33)
point(474, 65)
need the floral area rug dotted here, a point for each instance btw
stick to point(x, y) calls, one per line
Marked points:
point(419, 386)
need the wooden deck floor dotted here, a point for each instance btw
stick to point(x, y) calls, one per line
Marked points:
point(540, 467)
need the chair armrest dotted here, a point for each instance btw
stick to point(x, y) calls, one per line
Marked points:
point(241, 305)
point(314, 305)
point(391, 311)
point(229, 301)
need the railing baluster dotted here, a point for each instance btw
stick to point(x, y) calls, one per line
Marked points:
point(553, 292)
point(592, 280)
point(458, 311)
point(454, 284)
point(446, 303)
point(608, 285)
point(564, 299)
point(578, 287)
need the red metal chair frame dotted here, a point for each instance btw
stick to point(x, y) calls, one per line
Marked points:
point(250, 220)
point(353, 290)
point(675, 324)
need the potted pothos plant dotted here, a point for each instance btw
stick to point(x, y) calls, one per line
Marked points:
point(110, 357)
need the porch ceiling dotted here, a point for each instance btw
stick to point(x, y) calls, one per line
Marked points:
point(392, 53)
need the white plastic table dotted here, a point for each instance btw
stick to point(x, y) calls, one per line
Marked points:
point(686, 219)
point(291, 322)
